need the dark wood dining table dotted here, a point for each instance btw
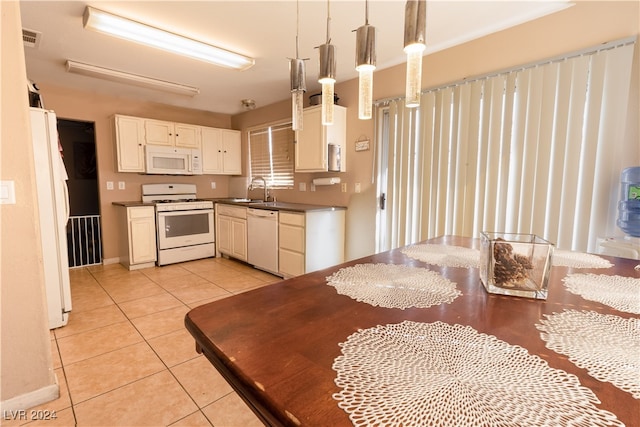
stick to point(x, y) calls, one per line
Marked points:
point(276, 345)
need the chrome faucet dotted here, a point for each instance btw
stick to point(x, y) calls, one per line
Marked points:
point(264, 184)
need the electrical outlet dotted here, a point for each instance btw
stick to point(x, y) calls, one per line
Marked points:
point(213, 185)
point(109, 185)
point(302, 186)
point(344, 187)
point(358, 188)
point(121, 185)
point(313, 187)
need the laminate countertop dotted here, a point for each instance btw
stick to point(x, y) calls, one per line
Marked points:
point(132, 204)
point(277, 206)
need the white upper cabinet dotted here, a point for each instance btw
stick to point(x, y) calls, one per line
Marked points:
point(220, 148)
point(312, 142)
point(129, 133)
point(221, 151)
point(158, 132)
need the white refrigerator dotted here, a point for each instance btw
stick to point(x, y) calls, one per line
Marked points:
point(53, 206)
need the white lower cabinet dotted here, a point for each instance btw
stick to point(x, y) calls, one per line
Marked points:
point(310, 241)
point(231, 231)
point(138, 238)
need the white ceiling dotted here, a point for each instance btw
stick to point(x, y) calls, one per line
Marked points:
point(264, 30)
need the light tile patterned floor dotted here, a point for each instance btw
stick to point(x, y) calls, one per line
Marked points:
point(125, 357)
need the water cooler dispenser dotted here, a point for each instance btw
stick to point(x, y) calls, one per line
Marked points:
point(628, 218)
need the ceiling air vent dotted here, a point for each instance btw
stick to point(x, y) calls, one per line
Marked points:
point(31, 38)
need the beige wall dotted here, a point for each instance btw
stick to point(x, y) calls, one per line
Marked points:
point(27, 366)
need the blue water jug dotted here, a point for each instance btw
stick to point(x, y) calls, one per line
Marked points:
point(629, 204)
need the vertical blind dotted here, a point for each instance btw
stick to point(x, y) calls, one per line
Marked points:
point(271, 151)
point(537, 150)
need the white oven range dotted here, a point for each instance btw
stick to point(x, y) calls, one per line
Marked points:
point(184, 224)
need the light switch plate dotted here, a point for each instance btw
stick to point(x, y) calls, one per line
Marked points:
point(121, 185)
point(7, 192)
point(302, 186)
point(109, 185)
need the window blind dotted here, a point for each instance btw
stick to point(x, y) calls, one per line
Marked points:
point(271, 151)
point(536, 150)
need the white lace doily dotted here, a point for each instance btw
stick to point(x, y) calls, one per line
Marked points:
point(393, 286)
point(444, 255)
point(619, 292)
point(563, 258)
point(436, 374)
point(607, 346)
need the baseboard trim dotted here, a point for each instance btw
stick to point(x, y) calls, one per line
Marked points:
point(107, 261)
point(31, 399)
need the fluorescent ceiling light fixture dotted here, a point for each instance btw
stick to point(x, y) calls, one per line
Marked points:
point(134, 79)
point(117, 26)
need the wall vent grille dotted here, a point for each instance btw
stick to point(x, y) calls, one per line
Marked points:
point(31, 38)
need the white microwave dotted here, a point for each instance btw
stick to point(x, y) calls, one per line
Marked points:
point(172, 160)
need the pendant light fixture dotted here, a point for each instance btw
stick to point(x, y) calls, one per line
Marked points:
point(365, 64)
point(415, 24)
point(327, 76)
point(298, 81)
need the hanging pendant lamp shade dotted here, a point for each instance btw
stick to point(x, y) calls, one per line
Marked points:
point(298, 88)
point(327, 75)
point(415, 25)
point(298, 82)
point(365, 64)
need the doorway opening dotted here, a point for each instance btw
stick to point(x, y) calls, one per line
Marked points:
point(84, 239)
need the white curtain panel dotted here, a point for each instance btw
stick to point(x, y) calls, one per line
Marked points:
point(537, 150)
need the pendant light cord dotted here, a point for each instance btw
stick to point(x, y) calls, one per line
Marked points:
point(328, 21)
point(366, 12)
point(297, 27)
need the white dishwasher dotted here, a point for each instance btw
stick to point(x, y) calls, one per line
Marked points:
point(262, 239)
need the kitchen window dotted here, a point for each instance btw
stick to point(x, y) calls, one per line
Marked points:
point(271, 152)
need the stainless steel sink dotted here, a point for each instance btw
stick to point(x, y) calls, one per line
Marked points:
point(241, 200)
point(274, 204)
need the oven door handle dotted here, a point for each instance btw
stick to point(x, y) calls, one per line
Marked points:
point(186, 212)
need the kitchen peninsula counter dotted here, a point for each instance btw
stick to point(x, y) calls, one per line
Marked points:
point(277, 345)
